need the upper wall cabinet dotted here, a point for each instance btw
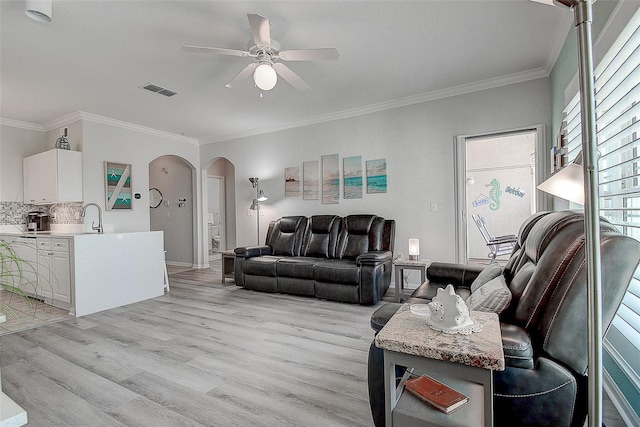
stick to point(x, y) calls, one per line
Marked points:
point(54, 176)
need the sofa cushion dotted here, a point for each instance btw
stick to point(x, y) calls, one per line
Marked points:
point(493, 296)
point(490, 272)
point(286, 236)
point(345, 272)
point(321, 236)
point(261, 266)
point(299, 267)
point(360, 234)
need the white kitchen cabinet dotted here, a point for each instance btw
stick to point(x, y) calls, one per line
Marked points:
point(24, 273)
point(54, 271)
point(53, 176)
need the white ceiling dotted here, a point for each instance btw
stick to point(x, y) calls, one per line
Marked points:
point(94, 56)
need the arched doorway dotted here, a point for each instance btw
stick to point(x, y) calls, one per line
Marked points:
point(172, 210)
point(220, 218)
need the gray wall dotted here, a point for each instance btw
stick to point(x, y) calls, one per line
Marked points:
point(418, 143)
point(16, 143)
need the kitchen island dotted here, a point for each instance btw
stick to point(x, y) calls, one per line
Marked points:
point(90, 272)
point(115, 269)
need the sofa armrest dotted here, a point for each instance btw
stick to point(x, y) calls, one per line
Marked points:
point(456, 274)
point(252, 251)
point(516, 344)
point(374, 257)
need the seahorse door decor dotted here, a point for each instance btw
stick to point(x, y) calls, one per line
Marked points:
point(494, 194)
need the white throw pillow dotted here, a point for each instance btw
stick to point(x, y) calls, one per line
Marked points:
point(494, 296)
point(490, 272)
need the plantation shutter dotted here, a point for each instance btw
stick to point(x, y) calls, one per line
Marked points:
point(617, 86)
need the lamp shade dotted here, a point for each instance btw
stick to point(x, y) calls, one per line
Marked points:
point(261, 196)
point(414, 249)
point(567, 183)
point(255, 205)
point(39, 10)
point(265, 77)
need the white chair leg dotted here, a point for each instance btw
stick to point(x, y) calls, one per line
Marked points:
point(166, 275)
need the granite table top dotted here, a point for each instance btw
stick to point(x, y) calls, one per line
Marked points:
point(408, 333)
point(405, 262)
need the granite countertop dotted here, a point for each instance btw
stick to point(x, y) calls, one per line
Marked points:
point(408, 333)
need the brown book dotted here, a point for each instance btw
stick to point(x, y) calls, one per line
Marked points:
point(433, 392)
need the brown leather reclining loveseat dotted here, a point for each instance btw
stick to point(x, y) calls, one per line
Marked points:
point(544, 327)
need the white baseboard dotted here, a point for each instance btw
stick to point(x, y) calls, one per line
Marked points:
point(624, 408)
point(179, 264)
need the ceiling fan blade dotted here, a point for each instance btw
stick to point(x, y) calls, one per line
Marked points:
point(326, 54)
point(246, 72)
point(260, 28)
point(292, 78)
point(216, 51)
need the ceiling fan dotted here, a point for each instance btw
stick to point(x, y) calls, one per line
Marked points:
point(266, 53)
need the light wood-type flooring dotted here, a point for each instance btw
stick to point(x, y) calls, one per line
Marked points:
point(205, 354)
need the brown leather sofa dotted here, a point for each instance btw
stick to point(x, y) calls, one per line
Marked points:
point(344, 259)
point(544, 329)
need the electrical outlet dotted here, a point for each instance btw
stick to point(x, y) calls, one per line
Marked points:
point(76, 215)
point(434, 207)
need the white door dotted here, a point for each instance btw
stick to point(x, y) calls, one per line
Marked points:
point(497, 177)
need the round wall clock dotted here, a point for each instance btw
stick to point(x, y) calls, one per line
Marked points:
point(155, 198)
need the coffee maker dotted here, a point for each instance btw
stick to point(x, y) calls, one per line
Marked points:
point(37, 221)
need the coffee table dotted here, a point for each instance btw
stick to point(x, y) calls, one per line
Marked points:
point(464, 362)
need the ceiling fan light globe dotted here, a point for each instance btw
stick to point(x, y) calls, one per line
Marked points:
point(265, 77)
point(39, 10)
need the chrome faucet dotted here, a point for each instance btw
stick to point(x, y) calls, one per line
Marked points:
point(93, 227)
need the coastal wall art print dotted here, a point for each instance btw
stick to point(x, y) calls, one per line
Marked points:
point(292, 182)
point(352, 177)
point(117, 186)
point(376, 176)
point(310, 180)
point(330, 179)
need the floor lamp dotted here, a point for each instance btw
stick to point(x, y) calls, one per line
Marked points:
point(583, 11)
point(255, 205)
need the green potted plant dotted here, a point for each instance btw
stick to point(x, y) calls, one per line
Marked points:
point(13, 278)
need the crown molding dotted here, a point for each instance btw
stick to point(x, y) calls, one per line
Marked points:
point(21, 125)
point(389, 105)
point(94, 118)
point(62, 121)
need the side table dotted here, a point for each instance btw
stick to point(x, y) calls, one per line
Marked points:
point(465, 362)
point(228, 264)
point(402, 264)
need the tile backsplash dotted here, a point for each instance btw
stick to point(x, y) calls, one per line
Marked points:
point(15, 213)
point(65, 213)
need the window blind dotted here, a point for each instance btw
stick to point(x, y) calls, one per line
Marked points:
point(617, 93)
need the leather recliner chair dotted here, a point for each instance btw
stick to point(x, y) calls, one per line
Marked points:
point(544, 330)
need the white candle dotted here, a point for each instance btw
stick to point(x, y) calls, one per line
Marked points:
point(414, 249)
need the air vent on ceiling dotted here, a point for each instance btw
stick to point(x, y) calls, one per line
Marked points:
point(158, 89)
